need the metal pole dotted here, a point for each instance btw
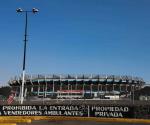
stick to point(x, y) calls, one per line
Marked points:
point(71, 94)
point(46, 90)
point(43, 95)
point(113, 88)
point(101, 88)
point(106, 88)
point(91, 90)
point(120, 88)
point(83, 88)
point(24, 59)
point(98, 90)
point(133, 94)
point(19, 10)
point(39, 86)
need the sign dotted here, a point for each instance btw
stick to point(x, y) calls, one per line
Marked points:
point(43, 110)
point(68, 110)
point(112, 111)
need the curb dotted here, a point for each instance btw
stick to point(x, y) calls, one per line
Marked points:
point(28, 119)
point(7, 123)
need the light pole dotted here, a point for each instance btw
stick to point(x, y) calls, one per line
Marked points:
point(19, 10)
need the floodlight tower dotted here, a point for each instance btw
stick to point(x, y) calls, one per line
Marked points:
point(19, 10)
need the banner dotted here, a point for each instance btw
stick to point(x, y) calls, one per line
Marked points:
point(112, 111)
point(68, 110)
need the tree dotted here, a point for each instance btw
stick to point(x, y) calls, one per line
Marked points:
point(5, 91)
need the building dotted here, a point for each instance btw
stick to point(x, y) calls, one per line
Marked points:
point(78, 86)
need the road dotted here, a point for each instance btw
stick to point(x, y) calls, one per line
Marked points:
point(75, 123)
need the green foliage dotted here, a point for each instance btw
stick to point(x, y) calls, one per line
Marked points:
point(5, 91)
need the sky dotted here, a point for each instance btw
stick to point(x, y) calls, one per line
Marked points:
point(76, 37)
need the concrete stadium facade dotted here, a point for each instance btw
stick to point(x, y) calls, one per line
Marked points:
point(78, 86)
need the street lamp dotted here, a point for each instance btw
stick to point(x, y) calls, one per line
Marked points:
point(19, 10)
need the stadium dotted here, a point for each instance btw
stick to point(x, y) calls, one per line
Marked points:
point(76, 87)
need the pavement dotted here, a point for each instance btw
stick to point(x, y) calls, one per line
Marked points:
point(46, 122)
